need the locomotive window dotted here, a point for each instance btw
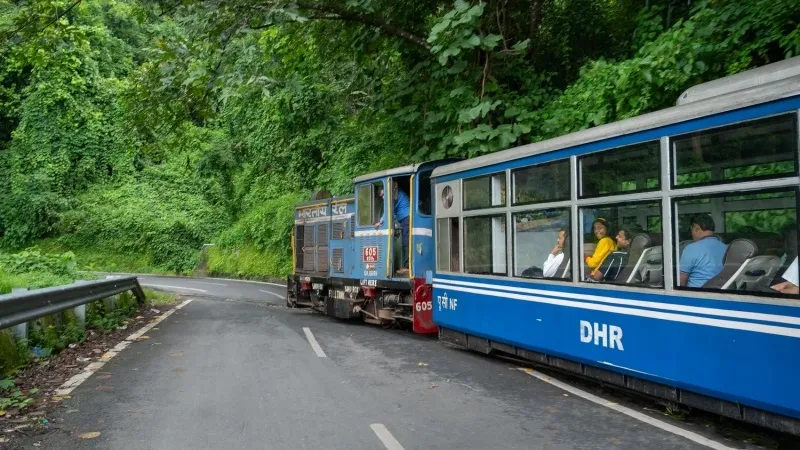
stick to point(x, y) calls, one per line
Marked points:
point(424, 193)
point(370, 204)
point(765, 148)
point(485, 192)
point(634, 168)
point(542, 183)
point(485, 245)
point(625, 245)
point(542, 244)
point(744, 242)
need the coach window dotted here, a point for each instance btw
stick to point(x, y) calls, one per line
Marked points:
point(625, 245)
point(624, 170)
point(485, 245)
point(542, 244)
point(447, 252)
point(370, 204)
point(745, 242)
point(547, 182)
point(758, 149)
point(485, 192)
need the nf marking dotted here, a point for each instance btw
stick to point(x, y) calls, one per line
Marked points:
point(313, 341)
point(694, 437)
point(386, 437)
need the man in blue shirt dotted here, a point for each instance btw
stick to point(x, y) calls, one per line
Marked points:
point(400, 215)
point(703, 259)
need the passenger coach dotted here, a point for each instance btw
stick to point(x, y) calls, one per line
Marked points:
point(517, 236)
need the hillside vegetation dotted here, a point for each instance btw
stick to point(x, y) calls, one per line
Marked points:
point(133, 132)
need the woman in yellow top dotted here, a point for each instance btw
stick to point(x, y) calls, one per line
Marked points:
point(605, 245)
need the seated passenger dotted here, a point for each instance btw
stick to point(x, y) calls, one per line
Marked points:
point(702, 259)
point(556, 256)
point(605, 245)
point(791, 285)
point(617, 260)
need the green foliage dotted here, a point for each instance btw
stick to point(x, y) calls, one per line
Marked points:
point(12, 397)
point(13, 355)
point(159, 298)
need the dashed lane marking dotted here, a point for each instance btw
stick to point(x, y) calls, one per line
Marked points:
point(271, 293)
point(174, 287)
point(313, 341)
point(694, 437)
point(87, 371)
point(386, 437)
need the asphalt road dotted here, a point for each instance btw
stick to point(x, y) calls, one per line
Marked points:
point(235, 369)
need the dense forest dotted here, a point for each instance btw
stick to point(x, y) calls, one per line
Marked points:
point(133, 132)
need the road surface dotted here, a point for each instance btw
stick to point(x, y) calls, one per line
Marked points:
point(235, 369)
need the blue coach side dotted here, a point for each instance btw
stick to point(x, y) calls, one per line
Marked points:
point(727, 154)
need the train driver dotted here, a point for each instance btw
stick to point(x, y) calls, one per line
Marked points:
point(605, 245)
point(704, 258)
point(401, 212)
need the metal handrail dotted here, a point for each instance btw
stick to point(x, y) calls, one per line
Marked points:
point(23, 307)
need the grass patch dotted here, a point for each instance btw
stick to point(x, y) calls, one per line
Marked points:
point(160, 298)
point(100, 259)
point(246, 262)
point(30, 280)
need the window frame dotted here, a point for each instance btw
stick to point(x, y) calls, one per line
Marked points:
point(463, 238)
point(501, 173)
point(512, 226)
point(418, 181)
point(513, 189)
point(579, 174)
point(673, 154)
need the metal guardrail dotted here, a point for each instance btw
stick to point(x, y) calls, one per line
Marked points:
point(23, 307)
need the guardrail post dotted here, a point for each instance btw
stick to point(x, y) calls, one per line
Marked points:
point(111, 302)
point(20, 331)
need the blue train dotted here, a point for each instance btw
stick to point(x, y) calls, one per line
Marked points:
point(657, 254)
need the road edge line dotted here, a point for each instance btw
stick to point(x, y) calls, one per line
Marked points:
point(690, 435)
point(83, 375)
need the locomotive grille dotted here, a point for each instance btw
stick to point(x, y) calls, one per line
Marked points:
point(337, 230)
point(338, 260)
point(308, 260)
point(298, 247)
point(308, 236)
point(322, 259)
point(322, 235)
point(352, 226)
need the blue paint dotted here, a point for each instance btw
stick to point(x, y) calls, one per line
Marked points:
point(752, 112)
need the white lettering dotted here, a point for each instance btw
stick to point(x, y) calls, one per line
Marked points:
point(616, 337)
point(586, 332)
point(601, 334)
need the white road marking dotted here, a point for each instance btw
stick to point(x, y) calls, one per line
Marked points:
point(173, 287)
point(271, 293)
point(205, 282)
point(87, 371)
point(386, 437)
point(313, 341)
point(628, 412)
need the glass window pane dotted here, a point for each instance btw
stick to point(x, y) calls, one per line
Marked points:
point(634, 168)
point(741, 243)
point(542, 244)
point(443, 244)
point(424, 193)
point(543, 183)
point(624, 246)
point(485, 245)
point(485, 192)
point(751, 150)
point(365, 205)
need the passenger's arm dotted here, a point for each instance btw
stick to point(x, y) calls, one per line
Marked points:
point(550, 266)
point(604, 247)
point(684, 279)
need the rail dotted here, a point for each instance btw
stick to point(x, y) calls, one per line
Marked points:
point(23, 307)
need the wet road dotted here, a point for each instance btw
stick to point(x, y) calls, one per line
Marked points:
point(236, 369)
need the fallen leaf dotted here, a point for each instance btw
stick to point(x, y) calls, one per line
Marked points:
point(143, 338)
point(2, 413)
point(3, 440)
point(433, 386)
point(155, 328)
point(97, 350)
point(58, 398)
point(37, 444)
point(90, 435)
point(72, 411)
point(422, 364)
point(140, 317)
point(566, 395)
